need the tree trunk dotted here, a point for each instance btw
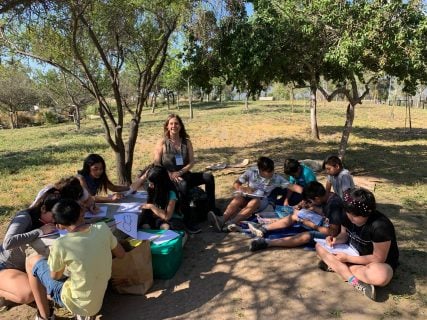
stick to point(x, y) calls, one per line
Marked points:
point(247, 101)
point(153, 102)
point(346, 131)
point(77, 117)
point(292, 100)
point(123, 176)
point(177, 100)
point(12, 120)
point(167, 100)
point(313, 113)
point(190, 97)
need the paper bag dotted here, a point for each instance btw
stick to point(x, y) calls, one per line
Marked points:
point(133, 274)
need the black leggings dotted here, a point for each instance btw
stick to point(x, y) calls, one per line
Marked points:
point(194, 179)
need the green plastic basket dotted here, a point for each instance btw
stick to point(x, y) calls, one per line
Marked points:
point(166, 257)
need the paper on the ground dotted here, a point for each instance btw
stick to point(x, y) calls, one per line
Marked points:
point(147, 236)
point(342, 247)
point(128, 223)
point(129, 207)
point(166, 236)
point(310, 215)
point(100, 214)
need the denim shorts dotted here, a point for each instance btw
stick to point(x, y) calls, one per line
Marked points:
point(53, 287)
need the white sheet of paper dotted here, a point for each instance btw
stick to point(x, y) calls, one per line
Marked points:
point(147, 236)
point(342, 247)
point(129, 207)
point(166, 236)
point(128, 223)
point(100, 214)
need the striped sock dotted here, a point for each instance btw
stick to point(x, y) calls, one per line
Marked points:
point(353, 281)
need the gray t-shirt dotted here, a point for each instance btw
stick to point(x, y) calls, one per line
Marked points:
point(19, 234)
point(342, 182)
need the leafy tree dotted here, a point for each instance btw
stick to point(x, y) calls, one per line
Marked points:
point(375, 39)
point(96, 42)
point(172, 79)
point(18, 92)
point(348, 43)
point(64, 93)
point(247, 45)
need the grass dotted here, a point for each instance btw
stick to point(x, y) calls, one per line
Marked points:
point(382, 153)
point(379, 146)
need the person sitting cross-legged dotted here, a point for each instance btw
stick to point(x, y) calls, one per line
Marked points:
point(260, 180)
point(373, 235)
point(327, 205)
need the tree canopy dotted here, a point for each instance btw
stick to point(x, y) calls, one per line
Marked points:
point(96, 43)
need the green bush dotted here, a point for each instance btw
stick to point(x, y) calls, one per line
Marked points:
point(50, 117)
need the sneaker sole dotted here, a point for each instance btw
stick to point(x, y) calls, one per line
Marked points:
point(373, 296)
point(255, 231)
point(213, 221)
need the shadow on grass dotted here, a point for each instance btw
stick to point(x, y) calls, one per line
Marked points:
point(13, 162)
point(390, 134)
point(395, 163)
point(410, 269)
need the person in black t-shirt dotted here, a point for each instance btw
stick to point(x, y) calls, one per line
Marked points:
point(373, 235)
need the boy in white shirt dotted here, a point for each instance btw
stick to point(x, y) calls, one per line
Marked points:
point(260, 180)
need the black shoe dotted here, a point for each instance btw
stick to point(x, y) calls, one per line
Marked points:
point(367, 289)
point(215, 221)
point(257, 230)
point(258, 244)
point(192, 228)
point(323, 266)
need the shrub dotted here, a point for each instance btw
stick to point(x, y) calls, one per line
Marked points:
point(50, 117)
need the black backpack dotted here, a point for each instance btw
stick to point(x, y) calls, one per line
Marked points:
point(198, 202)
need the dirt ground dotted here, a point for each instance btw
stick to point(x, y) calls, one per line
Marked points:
point(221, 279)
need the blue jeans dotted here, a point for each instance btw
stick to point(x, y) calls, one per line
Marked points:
point(53, 287)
